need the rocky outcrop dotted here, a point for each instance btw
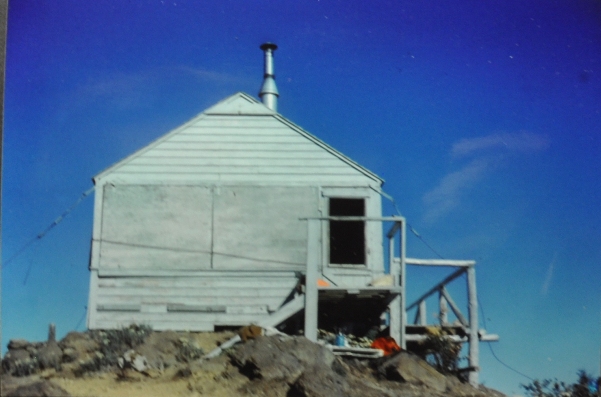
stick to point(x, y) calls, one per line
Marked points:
point(406, 367)
point(36, 388)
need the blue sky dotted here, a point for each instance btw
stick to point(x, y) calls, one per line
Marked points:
point(484, 118)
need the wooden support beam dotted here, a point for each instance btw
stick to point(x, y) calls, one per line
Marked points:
point(397, 225)
point(443, 316)
point(311, 291)
point(473, 354)
point(454, 307)
point(437, 287)
point(439, 262)
point(356, 218)
point(403, 279)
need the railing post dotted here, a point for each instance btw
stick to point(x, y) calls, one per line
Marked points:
point(403, 281)
point(422, 313)
point(473, 316)
point(395, 306)
point(311, 292)
point(443, 309)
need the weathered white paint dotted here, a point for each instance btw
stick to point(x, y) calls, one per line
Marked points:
point(209, 216)
point(311, 291)
point(255, 142)
point(474, 349)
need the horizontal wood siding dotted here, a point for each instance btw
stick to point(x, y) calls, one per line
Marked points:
point(189, 303)
point(258, 148)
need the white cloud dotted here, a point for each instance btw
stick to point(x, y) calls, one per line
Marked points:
point(522, 141)
point(486, 153)
point(447, 195)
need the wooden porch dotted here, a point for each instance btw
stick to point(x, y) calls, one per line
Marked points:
point(392, 298)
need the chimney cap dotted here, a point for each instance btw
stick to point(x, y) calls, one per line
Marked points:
point(268, 46)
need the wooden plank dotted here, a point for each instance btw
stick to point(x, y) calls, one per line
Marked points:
point(440, 262)
point(198, 326)
point(198, 161)
point(454, 338)
point(215, 274)
point(117, 307)
point(311, 292)
point(422, 313)
point(272, 303)
point(282, 137)
point(474, 350)
point(307, 154)
point(403, 279)
point(454, 307)
point(353, 218)
point(199, 282)
point(443, 310)
point(197, 308)
point(274, 178)
point(248, 146)
point(194, 292)
point(92, 300)
point(250, 168)
point(176, 317)
point(284, 312)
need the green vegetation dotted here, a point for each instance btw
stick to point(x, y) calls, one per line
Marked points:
point(586, 386)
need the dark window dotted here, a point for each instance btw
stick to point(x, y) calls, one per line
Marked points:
point(347, 238)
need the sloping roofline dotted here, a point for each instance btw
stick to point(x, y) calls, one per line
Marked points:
point(255, 108)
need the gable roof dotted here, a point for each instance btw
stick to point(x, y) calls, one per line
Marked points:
point(239, 138)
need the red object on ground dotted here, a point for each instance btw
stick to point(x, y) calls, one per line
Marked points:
point(387, 344)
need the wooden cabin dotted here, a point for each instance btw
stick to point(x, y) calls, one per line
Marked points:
point(240, 216)
point(203, 228)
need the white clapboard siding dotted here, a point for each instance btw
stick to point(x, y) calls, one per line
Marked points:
point(189, 303)
point(239, 140)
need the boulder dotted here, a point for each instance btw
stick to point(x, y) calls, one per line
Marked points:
point(15, 344)
point(50, 356)
point(319, 383)
point(407, 367)
point(19, 362)
point(281, 358)
point(41, 388)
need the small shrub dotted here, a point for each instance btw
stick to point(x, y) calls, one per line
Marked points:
point(586, 386)
point(188, 351)
point(440, 351)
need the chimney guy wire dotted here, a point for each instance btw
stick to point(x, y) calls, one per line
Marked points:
point(50, 227)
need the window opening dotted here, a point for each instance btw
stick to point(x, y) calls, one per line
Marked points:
point(347, 238)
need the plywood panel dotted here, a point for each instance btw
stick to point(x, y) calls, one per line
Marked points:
point(260, 226)
point(156, 226)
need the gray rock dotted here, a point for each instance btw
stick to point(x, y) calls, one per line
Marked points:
point(406, 367)
point(15, 344)
point(50, 356)
point(320, 383)
point(19, 362)
point(41, 388)
point(281, 358)
point(161, 349)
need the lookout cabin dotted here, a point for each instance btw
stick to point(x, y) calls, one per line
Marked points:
point(240, 216)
